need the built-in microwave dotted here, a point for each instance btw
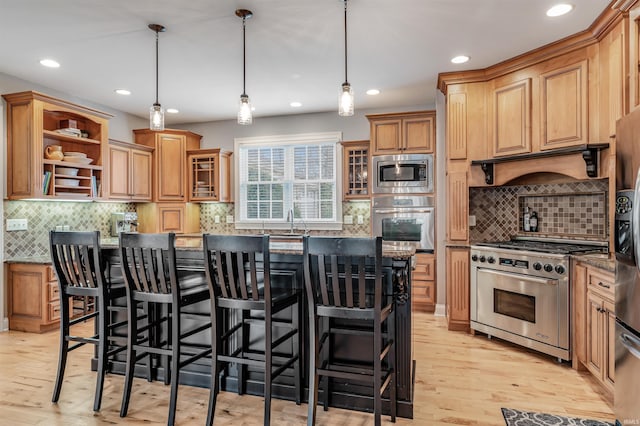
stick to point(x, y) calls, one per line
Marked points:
point(402, 174)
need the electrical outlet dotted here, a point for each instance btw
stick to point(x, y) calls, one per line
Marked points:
point(229, 218)
point(216, 218)
point(360, 219)
point(472, 220)
point(347, 219)
point(17, 224)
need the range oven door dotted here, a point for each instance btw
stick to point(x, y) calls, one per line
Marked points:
point(520, 304)
point(413, 225)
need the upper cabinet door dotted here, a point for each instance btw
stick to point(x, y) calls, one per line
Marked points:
point(386, 136)
point(512, 118)
point(170, 178)
point(119, 172)
point(141, 177)
point(564, 100)
point(418, 134)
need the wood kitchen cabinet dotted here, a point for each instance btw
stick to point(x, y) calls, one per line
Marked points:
point(209, 175)
point(130, 171)
point(355, 170)
point(594, 322)
point(458, 288)
point(170, 160)
point(512, 118)
point(403, 133)
point(181, 218)
point(33, 297)
point(423, 283)
point(36, 121)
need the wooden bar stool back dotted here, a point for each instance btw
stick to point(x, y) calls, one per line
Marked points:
point(349, 294)
point(77, 262)
point(238, 271)
point(151, 276)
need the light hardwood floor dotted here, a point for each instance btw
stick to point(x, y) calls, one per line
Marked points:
point(460, 379)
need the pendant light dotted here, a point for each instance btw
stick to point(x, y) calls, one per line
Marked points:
point(156, 112)
point(345, 100)
point(244, 110)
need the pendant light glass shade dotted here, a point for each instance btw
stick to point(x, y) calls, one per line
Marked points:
point(345, 107)
point(346, 98)
point(244, 108)
point(156, 117)
point(156, 112)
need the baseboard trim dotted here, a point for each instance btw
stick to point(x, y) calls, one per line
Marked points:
point(5, 324)
point(441, 310)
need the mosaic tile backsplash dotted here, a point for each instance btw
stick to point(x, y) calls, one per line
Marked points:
point(208, 212)
point(44, 216)
point(571, 210)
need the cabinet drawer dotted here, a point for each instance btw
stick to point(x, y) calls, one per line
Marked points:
point(425, 267)
point(423, 292)
point(53, 311)
point(51, 274)
point(601, 282)
point(54, 291)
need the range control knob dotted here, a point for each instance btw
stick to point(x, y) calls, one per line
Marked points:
point(482, 259)
point(474, 257)
point(560, 269)
point(537, 266)
point(491, 259)
point(548, 267)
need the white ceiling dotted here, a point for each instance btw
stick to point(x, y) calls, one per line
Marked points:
point(294, 49)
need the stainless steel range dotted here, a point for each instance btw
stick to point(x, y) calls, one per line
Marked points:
point(520, 292)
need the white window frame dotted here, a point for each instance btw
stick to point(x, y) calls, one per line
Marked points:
point(280, 140)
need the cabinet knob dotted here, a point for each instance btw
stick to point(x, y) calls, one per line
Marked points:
point(601, 284)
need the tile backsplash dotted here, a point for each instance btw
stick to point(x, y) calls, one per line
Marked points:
point(570, 210)
point(43, 216)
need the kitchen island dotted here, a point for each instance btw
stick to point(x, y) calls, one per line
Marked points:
point(286, 263)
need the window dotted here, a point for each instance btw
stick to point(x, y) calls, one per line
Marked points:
point(280, 174)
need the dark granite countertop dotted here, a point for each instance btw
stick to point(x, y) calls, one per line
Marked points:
point(600, 261)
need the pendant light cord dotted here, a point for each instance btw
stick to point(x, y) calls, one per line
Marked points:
point(346, 80)
point(244, 58)
point(157, 103)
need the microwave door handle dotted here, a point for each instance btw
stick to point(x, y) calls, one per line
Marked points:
point(631, 343)
point(635, 220)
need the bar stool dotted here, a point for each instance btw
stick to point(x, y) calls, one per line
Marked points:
point(151, 276)
point(77, 262)
point(348, 292)
point(239, 275)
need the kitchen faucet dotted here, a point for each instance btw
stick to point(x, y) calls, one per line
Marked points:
point(290, 219)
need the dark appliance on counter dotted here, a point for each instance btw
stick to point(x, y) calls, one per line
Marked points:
point(520, 291)
point(627, 349)
point(402, 174)
point(408, 218)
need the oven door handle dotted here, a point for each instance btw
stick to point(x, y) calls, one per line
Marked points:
point(403, 211)
point(543, 281)
point(631, 343)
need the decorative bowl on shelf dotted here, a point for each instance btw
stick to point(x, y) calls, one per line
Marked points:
point(204, 165)
point(67, 182)
point(79, 160)
point(67, 171)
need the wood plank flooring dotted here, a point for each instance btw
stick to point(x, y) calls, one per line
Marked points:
point(460, 379)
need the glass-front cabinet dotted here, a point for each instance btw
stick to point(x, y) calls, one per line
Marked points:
point(209, 175)
point(355, 177)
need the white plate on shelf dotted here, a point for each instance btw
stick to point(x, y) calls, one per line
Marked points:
point(67, 182)
point(71, 194)
point(79, 160)
point(75, 154)
point(67, 171)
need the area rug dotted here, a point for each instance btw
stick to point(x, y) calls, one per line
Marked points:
point(525, 418)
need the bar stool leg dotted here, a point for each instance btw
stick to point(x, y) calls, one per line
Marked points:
point(64, 349)
point(132, 338)
point(244, 341)
point(297, 345)
point(215, 366)
point(268, 369)
point(175, 367)
point(102, 350)
point(314, 357)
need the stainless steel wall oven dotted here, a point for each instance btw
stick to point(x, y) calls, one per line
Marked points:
point(407, 218)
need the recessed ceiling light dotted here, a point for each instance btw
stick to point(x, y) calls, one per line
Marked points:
point(373, 92)
point(50, 63)
point(123, 92)
point(461, 59)
point(559, 9)
point(296, 104)
point(172, 111)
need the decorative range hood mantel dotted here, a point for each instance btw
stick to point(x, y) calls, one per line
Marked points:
point(589, 154)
